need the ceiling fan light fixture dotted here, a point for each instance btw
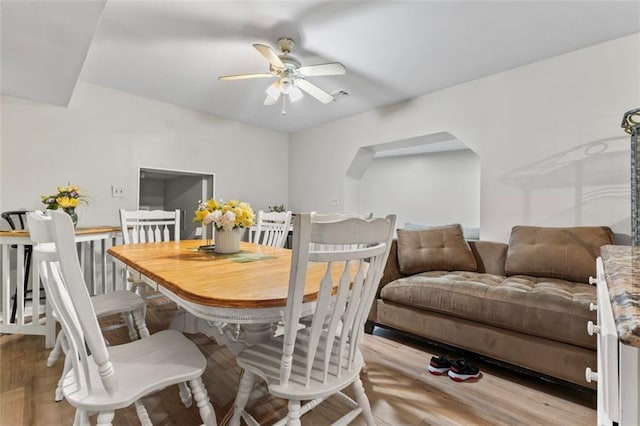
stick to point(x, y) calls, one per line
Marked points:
point(285, 85)
point(270, 101)
point(295, 94)
point(273, 91)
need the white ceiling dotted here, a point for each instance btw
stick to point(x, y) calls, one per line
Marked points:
point(173, 51)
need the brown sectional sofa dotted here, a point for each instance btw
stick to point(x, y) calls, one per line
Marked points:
point(525, 303)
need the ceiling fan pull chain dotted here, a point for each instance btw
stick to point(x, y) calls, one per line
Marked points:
point(284, 104)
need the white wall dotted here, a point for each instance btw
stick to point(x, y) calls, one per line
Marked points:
point(437, 188)
point(548, 137)
point(104, 135)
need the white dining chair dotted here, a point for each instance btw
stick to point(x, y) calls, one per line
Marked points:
point(102, 380)
point(311, 363)
point(272, 228)
point(147, 226)
point(132, 308)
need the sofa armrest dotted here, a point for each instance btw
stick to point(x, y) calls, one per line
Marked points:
point(392, 268)
point(391, 273)
point(490, 256)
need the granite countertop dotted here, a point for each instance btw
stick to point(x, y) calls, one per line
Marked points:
point(622, 272)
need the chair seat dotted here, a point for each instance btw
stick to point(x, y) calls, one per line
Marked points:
point(116, 302)
point(141, 367)
point(265, 359)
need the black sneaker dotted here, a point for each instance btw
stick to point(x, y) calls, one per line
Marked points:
point(460, 370)
point(439, 365)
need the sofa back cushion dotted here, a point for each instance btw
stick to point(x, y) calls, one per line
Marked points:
point(436, 249)
point(490, 256)
point(469, 233)
point(565, 253)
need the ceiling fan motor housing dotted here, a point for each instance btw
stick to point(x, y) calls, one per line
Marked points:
point(289, 61)
point(286, 44)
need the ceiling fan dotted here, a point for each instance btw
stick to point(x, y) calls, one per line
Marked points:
point(290, 74)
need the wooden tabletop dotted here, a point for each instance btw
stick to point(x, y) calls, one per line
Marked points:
point(79, 231)
point(218, 280)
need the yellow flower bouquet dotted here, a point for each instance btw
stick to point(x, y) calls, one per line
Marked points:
point(225, 215)
point(67, 198)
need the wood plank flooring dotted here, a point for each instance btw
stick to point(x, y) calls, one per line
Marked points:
point(400, 389)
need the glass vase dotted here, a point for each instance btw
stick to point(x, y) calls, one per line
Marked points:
point(71, 211)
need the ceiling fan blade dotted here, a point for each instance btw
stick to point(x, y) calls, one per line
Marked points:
point(245, 76)
point(269, 54)
point(314, 90)
point(332, 68)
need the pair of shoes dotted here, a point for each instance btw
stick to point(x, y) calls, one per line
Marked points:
point(458, 370)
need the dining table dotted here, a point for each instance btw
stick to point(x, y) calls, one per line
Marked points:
point(237, 299)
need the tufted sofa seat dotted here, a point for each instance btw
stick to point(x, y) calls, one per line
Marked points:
point(544, 307)
point(534, 322)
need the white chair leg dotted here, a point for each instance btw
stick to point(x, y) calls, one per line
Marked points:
point(244, 390)
point(363, 401)
point(207, 414)
point(59, 396)
point(143, 416)
point(55, 352)
point(141, 325)
point(185, 394)
point(81, 418)
point(128, 319)
point(105, 418)
point(293, 416)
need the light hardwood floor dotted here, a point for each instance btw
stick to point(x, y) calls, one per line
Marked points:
point(400, 389)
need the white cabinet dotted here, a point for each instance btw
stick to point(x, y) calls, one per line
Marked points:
point(618, 365)
point(607, 374)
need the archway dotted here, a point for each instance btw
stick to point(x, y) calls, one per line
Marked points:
point(427, 180)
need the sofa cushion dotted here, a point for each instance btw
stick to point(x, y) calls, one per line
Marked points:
point(565, 253)
point(469, 233)
point(436, 249)
point(544, 307)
